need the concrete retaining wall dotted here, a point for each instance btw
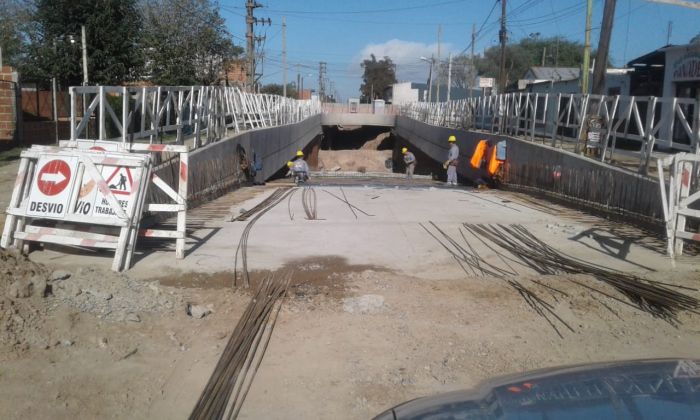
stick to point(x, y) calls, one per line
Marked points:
point(215, 168)
point(555, 172)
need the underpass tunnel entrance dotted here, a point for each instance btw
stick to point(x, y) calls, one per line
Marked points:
point(355, 149)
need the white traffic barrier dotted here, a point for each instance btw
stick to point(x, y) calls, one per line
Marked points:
point(682, 192)
point(78, 198)
point(179, 197)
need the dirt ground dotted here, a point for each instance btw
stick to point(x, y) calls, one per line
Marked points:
point(360, 160)
point(378, 313)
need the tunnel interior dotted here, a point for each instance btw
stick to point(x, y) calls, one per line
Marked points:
point(357, 137)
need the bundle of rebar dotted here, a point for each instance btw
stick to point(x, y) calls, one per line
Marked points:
point(653, 297)
point(279, 195)
point(233, 375)
point(516, 246)
point(262, 205)
point(308, 200)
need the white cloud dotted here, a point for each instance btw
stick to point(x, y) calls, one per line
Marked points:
point(406, 55)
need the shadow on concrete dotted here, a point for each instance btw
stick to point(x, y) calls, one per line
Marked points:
point(615, 245)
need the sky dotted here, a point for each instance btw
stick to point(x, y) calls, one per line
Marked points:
point(344, 32)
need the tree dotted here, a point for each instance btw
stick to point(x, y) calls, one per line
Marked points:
point(378, 75)
point(558, 52)
point(276, 89)
point(112, 33)
point(186, 42)
point(13, 21)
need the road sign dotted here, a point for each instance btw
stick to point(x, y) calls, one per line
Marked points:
point(486, 82)
point(50, 193)
point(120, 180)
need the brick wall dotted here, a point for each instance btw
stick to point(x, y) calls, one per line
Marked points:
point(8, 119)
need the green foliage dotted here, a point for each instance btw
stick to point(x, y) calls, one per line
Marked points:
point(558, 52)
point(13, 20)
point(112, 34)
point(378, 75)
point(186, 42)
point(276, 89)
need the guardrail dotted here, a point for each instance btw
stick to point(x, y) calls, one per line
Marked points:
point(172, 114)
point(672, 123)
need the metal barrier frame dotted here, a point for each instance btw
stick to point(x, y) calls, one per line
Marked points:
point(561, 118)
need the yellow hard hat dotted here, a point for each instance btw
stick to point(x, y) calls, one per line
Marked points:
point(452, 139)
point(290, 163)
point(404, 150)
point(300, 153)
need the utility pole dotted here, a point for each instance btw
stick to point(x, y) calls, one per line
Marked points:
point(544, 55)
point(439, 35)
point(449, 77)
point(601, 63)
point(669, 32)
point(251, 21)
point(587, 49)
point(471, 60)
point(298, 82)
point(322, 81)
point(503, 37)
point(430, 80)
point(83, 39)
point(284, 56)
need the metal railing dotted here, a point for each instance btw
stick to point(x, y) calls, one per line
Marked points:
point(671, 123)
point(173, 114)
point(344, 108)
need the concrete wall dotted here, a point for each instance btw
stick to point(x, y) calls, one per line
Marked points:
point(555, 172)
point(215, 168)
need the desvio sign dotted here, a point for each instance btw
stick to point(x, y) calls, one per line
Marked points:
point(51, 186)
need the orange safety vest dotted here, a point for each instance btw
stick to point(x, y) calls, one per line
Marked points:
point(479, 153)
point(494, 163)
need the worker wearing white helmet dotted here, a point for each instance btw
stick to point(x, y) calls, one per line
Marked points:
point(452, 161)
point(410, 160)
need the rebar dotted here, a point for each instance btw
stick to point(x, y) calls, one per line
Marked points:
point(243, 242)
point(232, 377)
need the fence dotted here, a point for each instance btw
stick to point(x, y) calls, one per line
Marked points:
point(562, 119)
point(174, 114)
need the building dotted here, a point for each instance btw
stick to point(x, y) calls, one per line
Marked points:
point(670, 71)
point(407, 92)
point(235, 73)
point(555, 80)
point(536, 75)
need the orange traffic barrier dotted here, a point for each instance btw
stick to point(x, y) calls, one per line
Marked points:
point(479, 153)
point(494, 163)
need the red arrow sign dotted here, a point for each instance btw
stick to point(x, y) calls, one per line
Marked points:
point(53, 177)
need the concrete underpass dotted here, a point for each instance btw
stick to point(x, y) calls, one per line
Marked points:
point(392, 296)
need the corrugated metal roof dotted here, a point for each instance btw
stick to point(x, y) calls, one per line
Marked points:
point(555, 73)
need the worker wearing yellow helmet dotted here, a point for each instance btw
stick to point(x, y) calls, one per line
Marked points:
point(452, 161)
point(300, 168)
point(410, 160)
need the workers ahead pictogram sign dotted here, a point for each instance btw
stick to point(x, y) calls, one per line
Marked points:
point(120, 182)
point(51, 187)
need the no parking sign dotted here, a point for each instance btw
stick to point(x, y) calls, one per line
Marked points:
point(51, 187)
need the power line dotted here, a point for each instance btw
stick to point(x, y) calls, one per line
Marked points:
point(347, 12)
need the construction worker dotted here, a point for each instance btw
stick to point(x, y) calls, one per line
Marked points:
point(410, 160)
point(452, 161)
point(300, 167)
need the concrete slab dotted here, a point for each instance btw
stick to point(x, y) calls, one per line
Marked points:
point(392, 237)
